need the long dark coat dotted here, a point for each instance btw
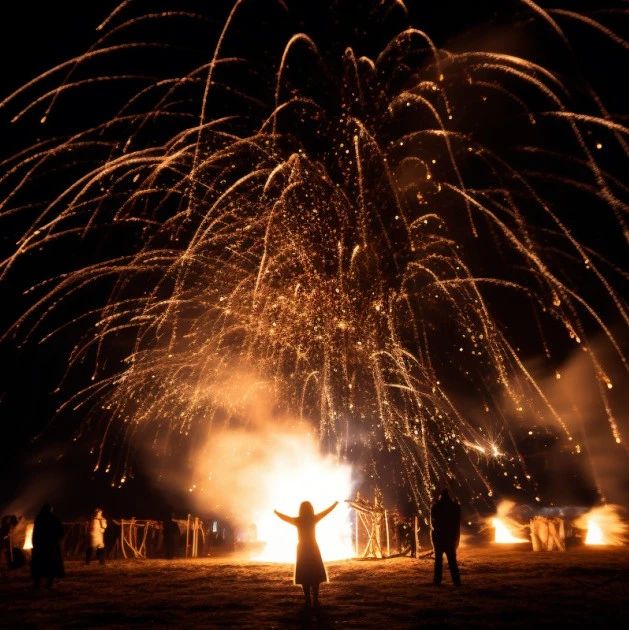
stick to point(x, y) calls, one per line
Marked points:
point(47, 559)
point(445, 518)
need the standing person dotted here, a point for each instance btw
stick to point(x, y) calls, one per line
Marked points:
point(171, 536)
point(445, 520)
point(96, 537)
point(47, 559)
point(309, 569)
point(17, 538)
point(5, 537)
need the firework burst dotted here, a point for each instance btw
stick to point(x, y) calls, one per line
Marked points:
point(343, 227)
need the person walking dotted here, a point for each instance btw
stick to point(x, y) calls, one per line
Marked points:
point(309, 569)
point(445, 520)
point(96, 537)
point(47, 559)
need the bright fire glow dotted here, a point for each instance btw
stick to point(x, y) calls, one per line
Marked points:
point(320, 480)
point(604, 526)
point(503, 533)
point(594, 534)
point(505, 528)
point(28, 539)
point(272, 463)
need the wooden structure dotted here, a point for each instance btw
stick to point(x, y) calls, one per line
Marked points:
point(194, 529)
point(133, 536)
point(548, 533)
point(370, 519)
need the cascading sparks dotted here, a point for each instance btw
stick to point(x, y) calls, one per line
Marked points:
point(348, 224)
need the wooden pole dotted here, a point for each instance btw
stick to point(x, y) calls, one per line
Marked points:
point(122, 535)
point(187, 535)
point(195, 538)
point(415, 532)
point(133, 537)
point(356, 533)
point(386, 525)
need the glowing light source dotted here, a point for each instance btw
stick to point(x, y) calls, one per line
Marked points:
point(28, 539)
point(604, 526)
point(319, 480)
point(506, 529)
point(503, 532)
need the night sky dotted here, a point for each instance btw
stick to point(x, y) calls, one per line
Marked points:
point(35, 35)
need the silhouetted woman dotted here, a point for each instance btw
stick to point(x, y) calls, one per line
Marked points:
point(47, 560)
point(309, 569)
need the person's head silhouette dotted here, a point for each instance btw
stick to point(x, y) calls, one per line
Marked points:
point(45, 509)
point(306, 509)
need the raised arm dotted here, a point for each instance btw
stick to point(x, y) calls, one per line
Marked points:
point(325, 512)
point(288, 519)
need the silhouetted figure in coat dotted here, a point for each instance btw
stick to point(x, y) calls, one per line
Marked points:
point(47, 559)
point(445, 520)
point(309, 569)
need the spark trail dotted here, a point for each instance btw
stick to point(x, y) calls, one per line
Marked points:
point(346, 227)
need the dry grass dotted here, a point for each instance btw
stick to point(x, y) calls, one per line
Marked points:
point(502, 588)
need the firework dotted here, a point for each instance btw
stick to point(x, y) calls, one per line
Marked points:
point(343, 227)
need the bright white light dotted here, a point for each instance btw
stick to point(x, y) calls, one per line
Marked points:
point(304, 476)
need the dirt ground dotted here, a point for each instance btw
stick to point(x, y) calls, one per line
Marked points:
point(502, 588)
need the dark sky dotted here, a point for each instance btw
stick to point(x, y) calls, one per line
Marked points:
point(36, 34)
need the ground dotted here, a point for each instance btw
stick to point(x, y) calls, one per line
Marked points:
point(502, 588)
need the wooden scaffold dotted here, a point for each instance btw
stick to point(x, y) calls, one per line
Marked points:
point(371, 516)
point(194, 529)
point(133, 536)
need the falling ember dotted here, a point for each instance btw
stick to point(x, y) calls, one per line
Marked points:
point(604, 526)
point(505, 528)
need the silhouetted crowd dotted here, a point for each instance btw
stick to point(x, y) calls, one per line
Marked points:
point(46, 535)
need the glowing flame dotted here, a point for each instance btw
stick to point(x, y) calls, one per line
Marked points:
point(273, 463)
point(320, 480)
point(503, 532)
point(604, 526)
point(28, 539)
point(594, 534)
point(505, 528)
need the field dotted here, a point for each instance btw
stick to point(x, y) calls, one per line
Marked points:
point(502, 588)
